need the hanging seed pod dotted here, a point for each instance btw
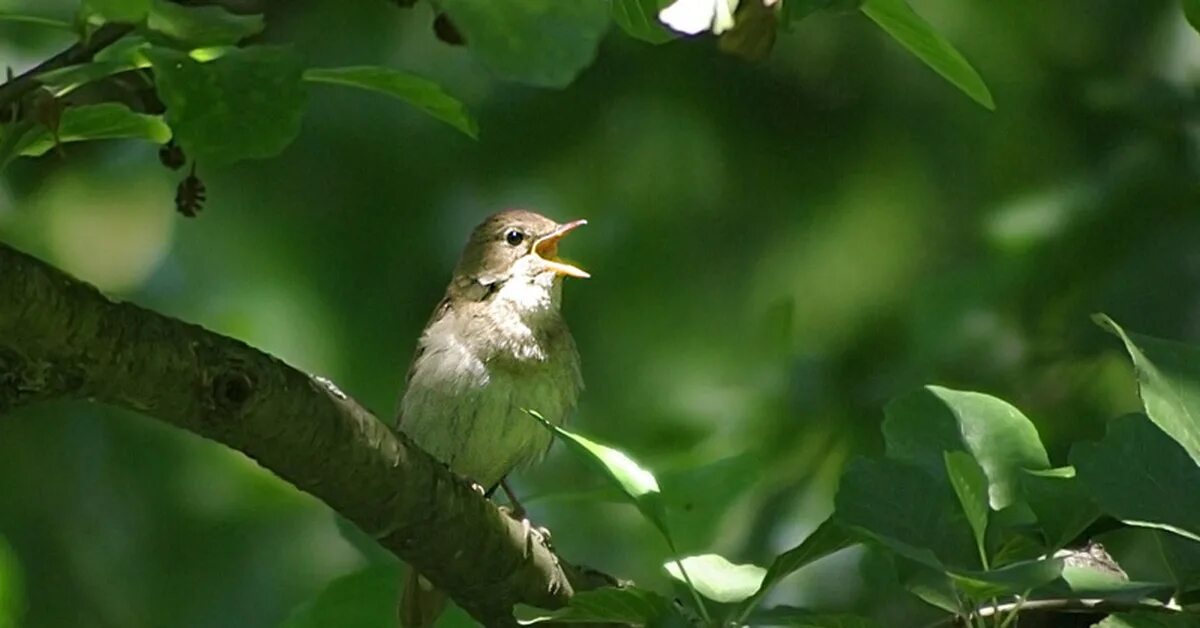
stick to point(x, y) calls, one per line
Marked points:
point(190, 195)
point(446, 31)
point(171, 155)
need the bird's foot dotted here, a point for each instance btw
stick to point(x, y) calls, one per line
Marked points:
point(479, 488)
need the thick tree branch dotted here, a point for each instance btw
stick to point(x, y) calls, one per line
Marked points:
point(60, 338)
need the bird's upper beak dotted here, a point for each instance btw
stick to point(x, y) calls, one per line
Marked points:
point(546, 248)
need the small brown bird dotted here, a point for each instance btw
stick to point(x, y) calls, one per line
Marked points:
point(495, 346)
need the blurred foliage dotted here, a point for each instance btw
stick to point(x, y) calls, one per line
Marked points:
point(777, 250)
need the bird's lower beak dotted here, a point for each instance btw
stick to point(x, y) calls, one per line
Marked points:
point(547, 249)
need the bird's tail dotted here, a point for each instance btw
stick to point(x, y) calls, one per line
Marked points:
point(420, 602)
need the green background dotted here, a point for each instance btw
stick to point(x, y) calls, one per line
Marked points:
point(777, 250)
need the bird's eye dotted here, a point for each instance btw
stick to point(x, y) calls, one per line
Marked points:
point(514, 237)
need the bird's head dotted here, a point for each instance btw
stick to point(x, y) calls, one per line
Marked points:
point(517, 246)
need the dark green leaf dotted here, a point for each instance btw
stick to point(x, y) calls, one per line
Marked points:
point(788, 616)
point(363, 599)
point(1061, 504)
point(199, 26)
point(1010, 580)
point(12, 140)
point(36, 20)
point(97, 122)
point(908, 511)
point(1169, 379)
point(828, 538)
point(920, 426)
point(1149, 620)
point(638, 484)
point(541, 42)
point(628, 605)
point(1182, 557)
point(1191, 10)
point(1141, 476)
point(970, 485)
point(718, 579)
point(914, 33)
point(639, 19)
point(246, 104)
point(419, 92)
point(118, 10)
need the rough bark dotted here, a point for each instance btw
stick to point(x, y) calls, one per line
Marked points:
point(61, 338)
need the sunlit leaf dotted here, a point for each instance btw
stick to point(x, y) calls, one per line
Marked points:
point(921, 425)
point(118, 10)
point(1060, 502)
point(35, 20)
point(1141, 476)
point(908, 511)
point(414, 90)
point(1169, 380)
point(126, 54)
point(363, 599)
point(638, 484)
point(692, 17)
point(246, 104)
point(627, 605)
point(914, 33)
point(639, 19)
point(199, 26)
point(970, 485)
point(828, 538)
point(718, 579)
point(12, 140)
point(541, 42)
point(97, 122)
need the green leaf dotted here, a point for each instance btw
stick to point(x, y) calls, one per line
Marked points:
point(908, 511)
point(540, 42)
point(970, 485)
point(914, 33)
point(363, 599)
point(1061, 504)
point(627, 605)
point(639, 19)
point(97, 122)
point(692, 17)
point(1191, 10)
point(638, 484)
point(828, 538)
point(1141, 476)
point(126, 54)
point(789, 616)
point(1010, 580)
point(12, 589)
point(414, 90)
point(118, 10)
point(920, 426)
point(1149, 620)
point(36, 20)
point(1169, 380)
point(199, 26)
point(12, 140)
point(246, 104)
point(1182, 556)
point(718, 579)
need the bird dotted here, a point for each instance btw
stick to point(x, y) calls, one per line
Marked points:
point(496, 346)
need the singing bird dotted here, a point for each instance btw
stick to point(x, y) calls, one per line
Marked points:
point(496, 345)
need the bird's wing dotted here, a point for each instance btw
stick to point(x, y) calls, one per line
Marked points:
point(443, 307)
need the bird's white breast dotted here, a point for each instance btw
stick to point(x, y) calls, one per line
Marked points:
point(479, 369)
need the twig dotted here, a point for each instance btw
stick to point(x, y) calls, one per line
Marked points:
point(11, 91)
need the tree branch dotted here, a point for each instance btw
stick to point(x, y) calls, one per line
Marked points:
point(105, 36)
point(61, 338)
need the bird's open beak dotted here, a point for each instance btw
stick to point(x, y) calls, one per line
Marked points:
point(547, 248)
